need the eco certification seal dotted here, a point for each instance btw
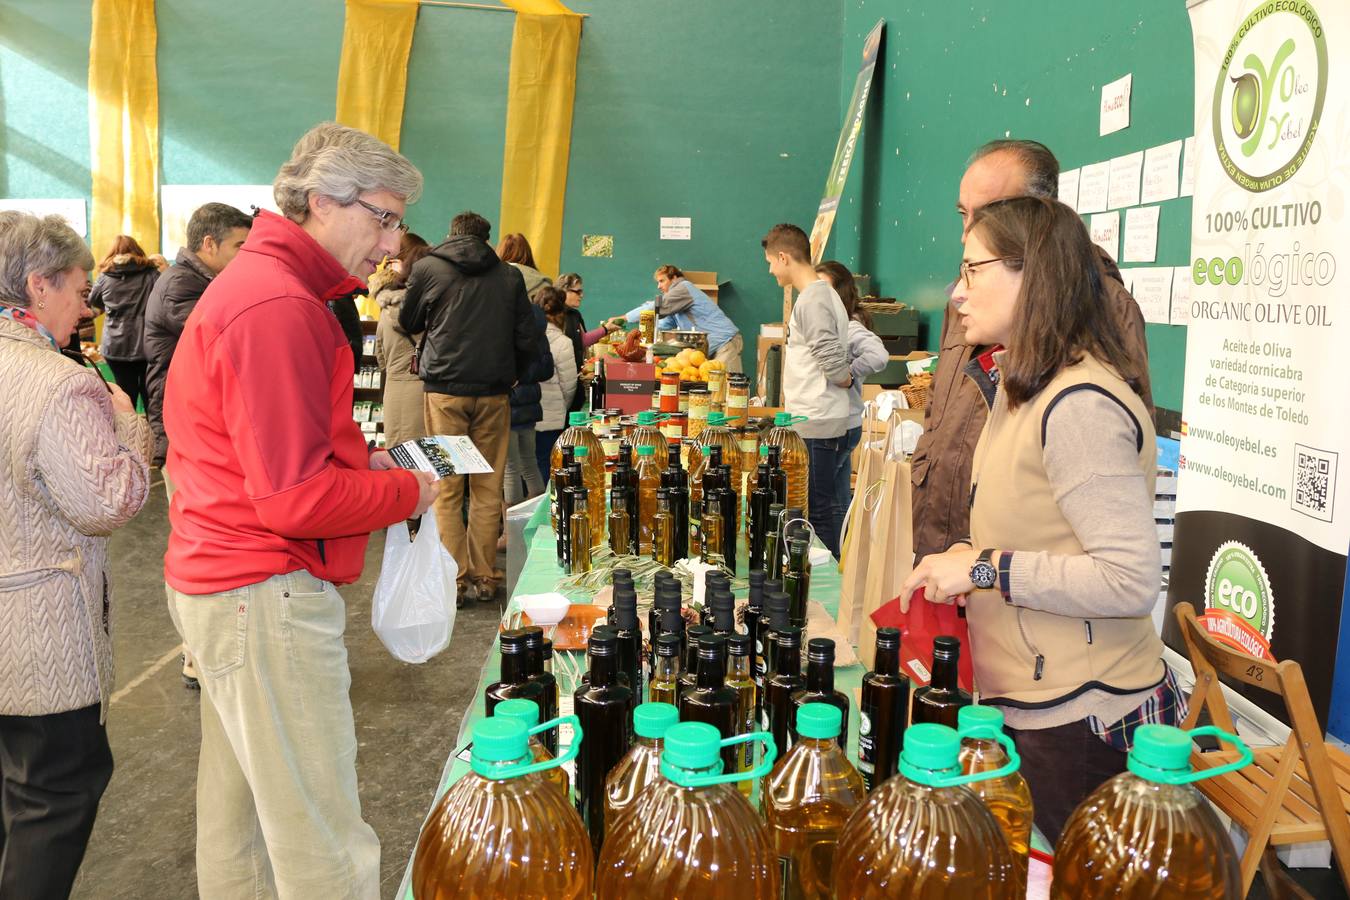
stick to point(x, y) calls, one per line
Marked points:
point(1239, 602)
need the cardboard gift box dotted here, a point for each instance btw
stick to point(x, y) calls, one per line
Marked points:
point(629, 385)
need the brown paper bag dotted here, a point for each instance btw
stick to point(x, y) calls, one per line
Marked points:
point(859, 523)
point(891, 552)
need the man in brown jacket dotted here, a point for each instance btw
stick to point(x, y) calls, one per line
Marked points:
point(962, 389)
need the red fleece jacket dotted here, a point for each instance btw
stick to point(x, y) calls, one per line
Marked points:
point(271, 474)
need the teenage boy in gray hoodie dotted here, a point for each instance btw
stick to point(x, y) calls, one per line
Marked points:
point(816, 375)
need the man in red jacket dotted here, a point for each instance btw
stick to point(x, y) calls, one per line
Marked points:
point(276, 495)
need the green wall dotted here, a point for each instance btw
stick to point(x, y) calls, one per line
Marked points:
point(955, 76)
point(726, 113)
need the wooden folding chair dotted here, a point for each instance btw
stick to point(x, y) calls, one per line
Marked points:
point(1290, 794)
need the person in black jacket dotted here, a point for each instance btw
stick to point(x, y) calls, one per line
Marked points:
point(126, 279)
point(526, 409)
point(215, 233)
point(480, 339)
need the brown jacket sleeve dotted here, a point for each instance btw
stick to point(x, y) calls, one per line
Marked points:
point(1130, 319)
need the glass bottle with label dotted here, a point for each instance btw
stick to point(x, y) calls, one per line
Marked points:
point(665, 683)
point(797, 580)
point(940, 701)
point(882, 712)
point(648, 476)
point(593, 479)
point(786, 680)
point(741, 679)
point(619, 522)
point(711, 701)
point(604, 707)
point(538, 653)
point(689, 674)
point(629, 633)
point(579, 533)
point(664, 538)
point(676, 482)
point(559, 481)
point(819, 687)
point(514, 681)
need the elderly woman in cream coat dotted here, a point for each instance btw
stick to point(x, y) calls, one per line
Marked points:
point(73, 467)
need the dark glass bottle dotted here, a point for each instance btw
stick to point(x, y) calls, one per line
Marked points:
point(722, 618)
point(561, 478)
point(620, 522)
point(713, 529)
point(662, 600)
point(711, 701)
point(729, 506)
point(713, 581)
point(773, 545)
point(820, 687)
point(940, 699)
point(672, 623)
point(778, 479)
point(759, 514)
point(753, 619)
point(514, 681)
point(579, 546)
point(536, 646)
point(797, 580)
point(665, 530)
point(793, 526)
point(689, 676)
point(604, 708)
point(786, 680)
point(597, 389)
point(664, 686)
point(629, 634)
point(676, 482)
point(740, 678)
point(776, 618)
point(881, 713)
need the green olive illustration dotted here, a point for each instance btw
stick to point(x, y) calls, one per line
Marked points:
point(1246, 104)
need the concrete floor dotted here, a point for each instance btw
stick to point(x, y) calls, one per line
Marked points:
point(406, 720)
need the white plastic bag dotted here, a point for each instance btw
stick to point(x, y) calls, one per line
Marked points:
point(413, 611)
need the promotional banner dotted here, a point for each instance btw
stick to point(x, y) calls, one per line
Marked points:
point(848, 142)
point(1263, 519)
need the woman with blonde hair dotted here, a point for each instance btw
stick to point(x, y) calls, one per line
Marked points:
point(74, 469)
point(124, 283)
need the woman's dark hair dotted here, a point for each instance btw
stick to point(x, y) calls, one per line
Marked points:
point(847, 289)
point(412, 248)
point(568, 281)
point(1061, 311)
point(515, 249)
point(124, 245)
point(553, 301)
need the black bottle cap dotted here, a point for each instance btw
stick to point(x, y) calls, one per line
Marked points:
point(789, 637)
point(946, 647)
point(888, 638)
point(581, 493)
point(672, 622)
point(662, 494)
point(740, 644)
point(715, 455)
point(668, 644)
point(625, 610)
point(756, 578)
point(820, 650)
point(710, 579)
point(797, 545)
point(712, 647)
point(603, 642)
point(623, 575)
point(775, 454)
point(534, 636)
point(546, 647)
point(666, 598)
point(775, 512)
point(662, 575)
point(513, 641)
point(696, 633)
point(773, 586)
point(568, 456)
point(778, 604)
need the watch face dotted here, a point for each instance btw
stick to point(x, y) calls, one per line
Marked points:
point(983, 575)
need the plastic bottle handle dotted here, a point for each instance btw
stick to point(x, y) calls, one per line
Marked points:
point(983, 733)
point(545, 764)
point(794, 420)
point(759, 771)
point(1244, 757)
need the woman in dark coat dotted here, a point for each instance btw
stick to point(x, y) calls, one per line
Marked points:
point(124, 283)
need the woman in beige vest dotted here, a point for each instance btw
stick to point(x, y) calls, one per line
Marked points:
point(73, 466)
point(1062, 568)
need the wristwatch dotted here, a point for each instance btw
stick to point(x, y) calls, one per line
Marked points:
point(983, 574)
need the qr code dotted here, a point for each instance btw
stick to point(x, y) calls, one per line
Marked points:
point(1314, 482)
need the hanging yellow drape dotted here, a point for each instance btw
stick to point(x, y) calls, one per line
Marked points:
point(540, 92)
point(123, 124)
point(373, 74)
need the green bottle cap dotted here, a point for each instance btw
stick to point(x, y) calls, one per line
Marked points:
point(646, 450)
point(717, 418)
point(782, 419)
point(693, 745)
point(819, 721)
point(764, 450)
point(526, 712)
point(498, 740)
point(982, 717)
point(576, 418)
point(930, 750)
point(653, 720)
point(646, 417)
point(581, 450)
point(1159, 747)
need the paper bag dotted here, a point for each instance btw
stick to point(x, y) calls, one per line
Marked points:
point(891, 552)
point(861, 523)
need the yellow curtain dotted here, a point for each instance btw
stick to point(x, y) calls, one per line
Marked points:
point(540, 91)
point(373, 74)
point(123, 124)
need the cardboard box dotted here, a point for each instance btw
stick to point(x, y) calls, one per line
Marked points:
point(629, 385)
point(705, 281)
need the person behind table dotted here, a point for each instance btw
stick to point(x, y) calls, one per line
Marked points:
point(404, 419)
point(480, 339)
point(575, 327)
point(215, 232)
point(522, 473)
point(962, 388)
point(816, 377)
point(866, 356)
point(126, 278)
point(556, 392)
point(680, 306)
point(1060, 572)
point(76, 467)
point(276, 496)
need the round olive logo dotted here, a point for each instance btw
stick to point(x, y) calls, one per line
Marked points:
point(1268, 98)
point(1237, 585)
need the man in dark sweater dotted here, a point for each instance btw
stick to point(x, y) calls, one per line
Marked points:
point(480, 335)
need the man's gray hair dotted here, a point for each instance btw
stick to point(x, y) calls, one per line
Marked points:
point(28, 244)
point(341, 163)
point(1036, 160)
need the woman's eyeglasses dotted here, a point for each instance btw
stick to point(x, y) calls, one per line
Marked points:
point(968, 268)
point(389, 220)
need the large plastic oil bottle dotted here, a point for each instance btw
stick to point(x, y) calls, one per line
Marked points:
point(642, 764)
point(808, 798)
point(794, 458)
point(504, 830)
point(1147, 833)
point(718, 434)
point(526, 712)
point(647, 434)
point(691, 833)
point(924, 833)
point(579, 434)
point(1009, 797)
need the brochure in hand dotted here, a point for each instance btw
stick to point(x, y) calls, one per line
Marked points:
point(442, 455)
